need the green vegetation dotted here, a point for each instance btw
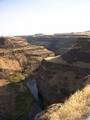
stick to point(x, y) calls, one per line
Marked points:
point(23, 99)
point(16, 77)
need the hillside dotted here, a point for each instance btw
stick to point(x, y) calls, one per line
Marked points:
point(64, 75)
point(57, 80)
point(58, 43)
point(18, 60)
point(77, 107)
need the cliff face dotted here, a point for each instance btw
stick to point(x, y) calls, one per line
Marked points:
point(16, 54)
point(18, 60)
point(64, 74)
point(57, 44)
point(57, 77)
point(77, 107)
point(61, 76)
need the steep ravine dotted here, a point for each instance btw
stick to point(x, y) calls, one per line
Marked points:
point(18, 60)
point(59, 77)
point(64, 83)
point(32, 78)
point(64, 74)
point(37, 105)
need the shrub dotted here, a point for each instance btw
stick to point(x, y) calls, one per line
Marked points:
point(16, 77)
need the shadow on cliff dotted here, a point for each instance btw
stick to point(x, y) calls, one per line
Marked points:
point(79, 51)
point(54, 86)
point(16, 100)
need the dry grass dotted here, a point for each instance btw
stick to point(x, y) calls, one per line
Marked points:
point(77, 107)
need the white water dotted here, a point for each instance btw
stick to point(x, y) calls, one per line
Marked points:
point(36, 107)
point(88, 118)
point(33, 87)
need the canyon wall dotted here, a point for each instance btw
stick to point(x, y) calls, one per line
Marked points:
point(59, 77)
point(18, 60)
point(64, 83)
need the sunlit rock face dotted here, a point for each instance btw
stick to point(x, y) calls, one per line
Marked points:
point(18, 60)
point(18, 55)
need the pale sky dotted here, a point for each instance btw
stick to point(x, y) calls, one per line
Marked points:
point(18, 17)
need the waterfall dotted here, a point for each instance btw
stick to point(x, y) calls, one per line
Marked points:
point(32, 85)
point(88, 118)
point(37, 104)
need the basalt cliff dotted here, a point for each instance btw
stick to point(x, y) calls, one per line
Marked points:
point(60, 67)
point(18, 60)
point(64, 81)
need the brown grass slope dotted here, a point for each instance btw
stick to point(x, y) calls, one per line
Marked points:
point(77, 107)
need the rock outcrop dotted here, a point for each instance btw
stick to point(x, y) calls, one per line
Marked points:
point(58, 43)
point(18, 55)
point(18, 60)
point(64, 74)
point(57, 77)
point(77, 107)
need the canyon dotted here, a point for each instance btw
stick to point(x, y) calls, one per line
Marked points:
point(50, 72)
point(18, 60)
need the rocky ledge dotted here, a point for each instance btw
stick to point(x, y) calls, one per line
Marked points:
point(65, 75)
point(77, 107)
point(18, 60)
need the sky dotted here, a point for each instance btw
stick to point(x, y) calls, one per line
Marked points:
point(27, 17)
